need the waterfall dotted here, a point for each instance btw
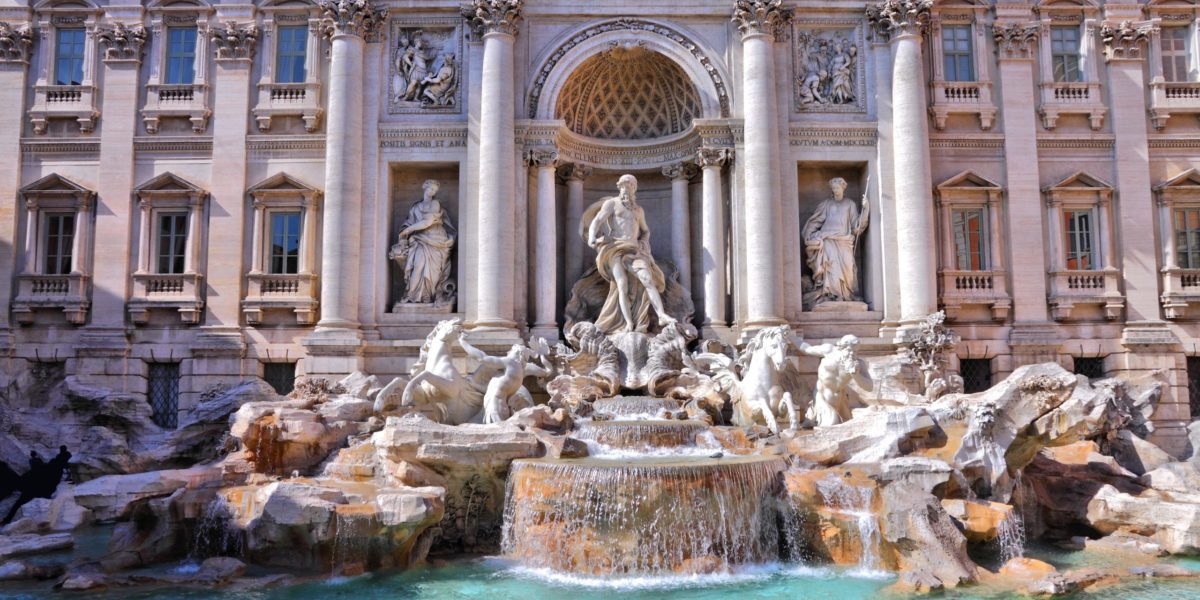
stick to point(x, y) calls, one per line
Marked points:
point(640, 435)
point(214, 536)
point(350, 542)
point(854, 502)
point(1012, 536)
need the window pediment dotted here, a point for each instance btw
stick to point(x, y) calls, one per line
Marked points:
point(968, 180)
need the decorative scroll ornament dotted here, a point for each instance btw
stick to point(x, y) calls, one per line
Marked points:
point(713, 157)
point(15, 42)
point(576, 172)
point(493, 16)
point(233, 41)
point(1014, 40)
point(754, 17)
point(1124, 40)
point(893, 18)
point(122, 42)
point(681, 170)
point(352, 17)
point(541, 158)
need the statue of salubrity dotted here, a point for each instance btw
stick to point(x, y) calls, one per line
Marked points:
point(830, 241)
point(422, 250)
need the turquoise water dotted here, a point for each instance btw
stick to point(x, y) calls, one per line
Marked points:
point(494, 579)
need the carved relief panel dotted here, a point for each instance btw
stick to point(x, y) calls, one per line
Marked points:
point(425, 66)
point(827, 65)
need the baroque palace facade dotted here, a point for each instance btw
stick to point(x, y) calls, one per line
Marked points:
point(194, 192)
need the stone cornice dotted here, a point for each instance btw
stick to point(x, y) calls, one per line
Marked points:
point(1124, 40)
point(178, 145)
point(493, 16)
point(234, 41)
point(974, 142)
point(897, 18)
point(65, 146)
point(353, 17)
point(833, 136)
point(1075, 143)
point(285, 142)
point(15, 42)
point(761, 17)
point(122, 43)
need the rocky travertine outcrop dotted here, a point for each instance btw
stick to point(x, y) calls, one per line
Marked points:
point(1170, 519)
point(922, 541)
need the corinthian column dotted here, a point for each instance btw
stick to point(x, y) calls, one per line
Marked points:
point(496, 21)
point(352, 21)
point(712, 238)
point(575, 174)
point(545, 256)
point(904, 22)
point(681, 220)
point(759, 21)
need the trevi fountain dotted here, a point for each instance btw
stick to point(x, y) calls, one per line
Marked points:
point(629, 448)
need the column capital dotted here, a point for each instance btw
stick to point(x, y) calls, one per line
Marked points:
point(681, 170)
point(122, 43)
point(1124, 40)
point(234, 41)
point(1014, 40)
point(541, 158)
point(359, 18)
point(897, 18)
point(709, 156)
point(493, 16)
point(16, 41)
point(575, 172)
point(760, 17)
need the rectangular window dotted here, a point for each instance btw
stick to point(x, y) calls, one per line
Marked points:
point(1081, 246)
point(68, 56)
point(181, 55)
point(163, 394)
point(957, 61)
point(976, 374)
point(290, 54)
point(60, 237)
point(285, 243)
point(172, 242)
point(1175, 54)
point(281, 376)
point(968, 225)
point(1193, 375)
point(1091, 367)
point(1064, 54)
point(1187, 237)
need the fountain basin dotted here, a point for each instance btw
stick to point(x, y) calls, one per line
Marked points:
point(654, 433)
point(649, 516)
point(628, 406)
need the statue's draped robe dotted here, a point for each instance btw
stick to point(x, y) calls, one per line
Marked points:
point(835, 272)
point(427, 268)
point(637, 258)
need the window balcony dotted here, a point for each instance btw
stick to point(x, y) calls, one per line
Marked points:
point(289, 99)
point(962, 97)
point(180, 292)
point(64, 102)
point(1071, 288)
point(1167, 97)
point(1181, 289)
point(1060, 98)
point(189, 101)
point(68, 293)
point(967, 288)
point(295, 292)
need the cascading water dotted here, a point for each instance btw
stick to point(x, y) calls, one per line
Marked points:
point(1012, 536)
point(214, 536)
point(855, 503)
point(643, 513)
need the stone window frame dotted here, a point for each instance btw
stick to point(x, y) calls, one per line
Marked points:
point(1173, 97)
point(1069, 288)
point(189, 101)
point(958, 97)
point(70, 292)
point(283, 192)
point(290, 99)
point(961, 287)
point(1083, 97)
point(1180, 286)
point(52, 101)
point(183, 292)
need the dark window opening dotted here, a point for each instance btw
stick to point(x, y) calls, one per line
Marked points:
point(976, 374)
point(281, 376)
point(1090, 367)
point(1193, 375)
point(163, 394)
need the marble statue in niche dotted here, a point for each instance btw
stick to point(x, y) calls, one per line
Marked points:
point(422, 250)
point(826, 70)
point(830, 242)
point(618, 233)
point(424, 70)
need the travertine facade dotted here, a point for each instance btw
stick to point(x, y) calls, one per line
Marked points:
point(218, 185)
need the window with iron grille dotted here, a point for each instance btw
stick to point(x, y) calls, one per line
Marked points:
point(1091, 367)
point(290, 54)
point(957, 62)
point(976, 374)
point(1193, 375)
point(163, 394)
point(281, 376)
point(60, 237)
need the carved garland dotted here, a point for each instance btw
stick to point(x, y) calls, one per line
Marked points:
point(15, 42)
point(630, 25)
point(122, 42)
point(1014, 40)
point(900, 17)
point(234, 42)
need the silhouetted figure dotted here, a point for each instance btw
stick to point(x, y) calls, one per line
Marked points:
point(39, 482)
point(64, 458)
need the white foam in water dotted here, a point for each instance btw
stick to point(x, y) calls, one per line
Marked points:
point(738, 575)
